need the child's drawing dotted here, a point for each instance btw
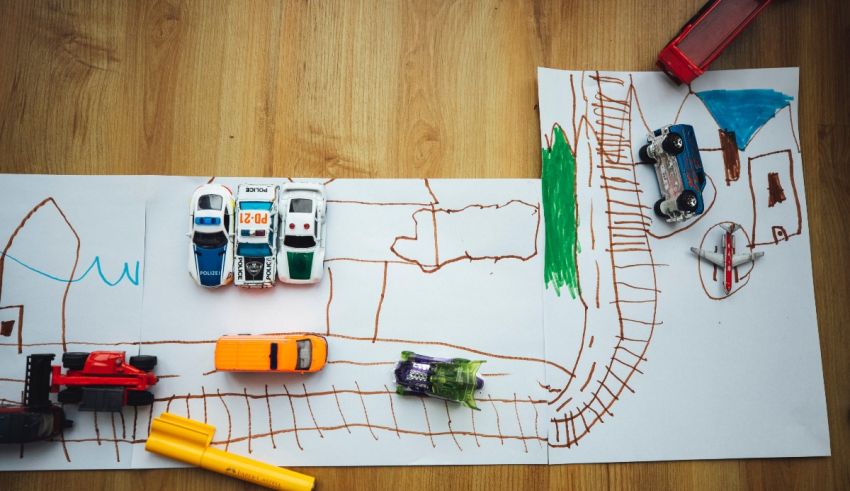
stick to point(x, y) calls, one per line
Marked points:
point(450, 268)
point(603, 337)
point(676, 366)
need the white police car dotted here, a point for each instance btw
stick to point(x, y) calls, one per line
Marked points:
point(301, 253)
point(256, 235)
point(210, 235)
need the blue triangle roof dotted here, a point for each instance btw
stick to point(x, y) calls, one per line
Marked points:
point(743, 111)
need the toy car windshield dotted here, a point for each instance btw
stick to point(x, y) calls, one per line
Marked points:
point(299, 241)
point(304, 354)
point(210, 241)
point(452, 379)
point(301, 205)
point(254, 250)
point(210, 202)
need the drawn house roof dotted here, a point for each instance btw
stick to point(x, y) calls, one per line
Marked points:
point(743, 111)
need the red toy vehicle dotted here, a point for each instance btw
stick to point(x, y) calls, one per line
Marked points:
point(705, 36)
point(37, 418)
point(104, 381)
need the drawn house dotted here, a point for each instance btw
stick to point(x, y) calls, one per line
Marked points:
point(773, 188)
point(26, 256)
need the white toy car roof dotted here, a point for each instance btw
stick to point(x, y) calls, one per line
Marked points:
point(304, 186)
point(257, 192)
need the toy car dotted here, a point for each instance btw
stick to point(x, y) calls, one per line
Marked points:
point(104, 381)
point(678, 166)
point(705, 36)
point(37, 418)
point(210, 235)
point(452, 379)
point(294, 353)
point(301, 253)
point(256, 241)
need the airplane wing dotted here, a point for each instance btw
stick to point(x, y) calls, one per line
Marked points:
point(714, 257)
point(739, 259)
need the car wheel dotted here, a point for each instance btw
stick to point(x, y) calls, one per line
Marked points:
point(139, 398)
point(143, 362)
point(74, 360)
point(657, 209)
point(673, 144)
point(687, 202)
point(71, 395)
point(643, 155)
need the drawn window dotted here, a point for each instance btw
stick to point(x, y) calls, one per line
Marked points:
point(776, 194)
point(210, 202)
point(6, 328)
point(301, 205)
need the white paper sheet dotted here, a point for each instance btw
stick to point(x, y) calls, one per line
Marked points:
point(481, 300)
point(105, 216)
point(671, 372)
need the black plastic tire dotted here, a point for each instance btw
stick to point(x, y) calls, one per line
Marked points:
point(657, 209)
point(643, 155)
point(687, 202)
point(71, 395)
point(139, 398)
point(673, 144)
point(74, 360)
point(143, 362)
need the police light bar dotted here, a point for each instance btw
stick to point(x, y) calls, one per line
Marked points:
point(207, 221)
point(705, 36)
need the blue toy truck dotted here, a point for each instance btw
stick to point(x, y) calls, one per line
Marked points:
point(674, 152)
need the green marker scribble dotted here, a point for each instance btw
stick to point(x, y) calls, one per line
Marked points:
point(559, 207)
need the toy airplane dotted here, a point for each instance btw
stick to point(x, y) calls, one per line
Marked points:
point(728, 260)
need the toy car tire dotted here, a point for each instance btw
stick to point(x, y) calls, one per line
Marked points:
point(657, 209)
point(74, 360)
point(673, 144)
point(687, 202)
point(143, 362)
point(71, 395)
point(139, 398)
point(643, 155)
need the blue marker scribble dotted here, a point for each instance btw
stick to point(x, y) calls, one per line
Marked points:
point(94, 264)
point(743, 111)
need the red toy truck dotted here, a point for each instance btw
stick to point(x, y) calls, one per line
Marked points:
point(705, 36)
point(36, 418)
point(104, 381)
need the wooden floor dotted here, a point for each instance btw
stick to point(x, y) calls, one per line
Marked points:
point(400, 89)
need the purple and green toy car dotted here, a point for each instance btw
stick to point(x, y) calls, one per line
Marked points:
point(452, 379)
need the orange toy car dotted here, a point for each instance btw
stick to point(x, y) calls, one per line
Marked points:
point(288, 353)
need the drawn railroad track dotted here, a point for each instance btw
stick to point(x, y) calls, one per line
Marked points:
point(633, 268)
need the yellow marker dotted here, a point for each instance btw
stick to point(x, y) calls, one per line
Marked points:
point(188, 441)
